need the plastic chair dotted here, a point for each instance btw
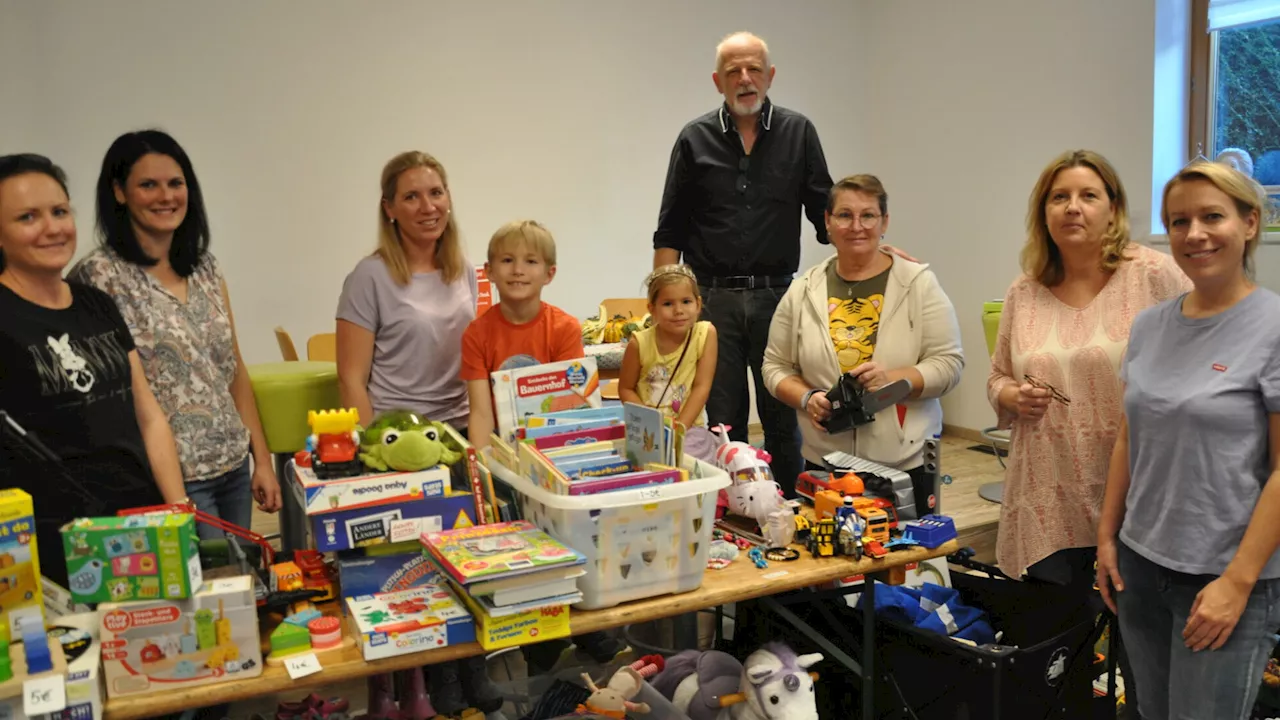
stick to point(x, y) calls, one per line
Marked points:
point(999, 439)
point(323, 347)
point(626, 307)
point(287, 351)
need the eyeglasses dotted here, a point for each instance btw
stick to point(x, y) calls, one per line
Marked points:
point(1053, 391)
point(845, 219)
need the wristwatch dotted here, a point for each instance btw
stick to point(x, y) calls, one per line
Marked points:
point(804, 401)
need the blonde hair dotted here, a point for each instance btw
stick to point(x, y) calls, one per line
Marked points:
point(741, 35)
point(448, 248)
point(1041, 258)
point(669, 275)
point(529, 232)
point(1247, 194)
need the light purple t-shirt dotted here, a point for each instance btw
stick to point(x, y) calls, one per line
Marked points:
point(417, 329)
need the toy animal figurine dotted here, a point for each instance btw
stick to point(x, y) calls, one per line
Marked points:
point(404, 441)
point(614, 699)
point(773, 684)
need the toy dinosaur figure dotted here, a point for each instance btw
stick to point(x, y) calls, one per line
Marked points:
point(405, 441)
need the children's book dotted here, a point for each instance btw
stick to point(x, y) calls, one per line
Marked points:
point(488, 552)
point(531, 433)
point(612, 412)
point(545, 583)
point(539, 389)
point(646, 438)
point(493, 610)
point(579, 437)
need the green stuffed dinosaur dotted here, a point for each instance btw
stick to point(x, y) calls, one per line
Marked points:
point(404, 441)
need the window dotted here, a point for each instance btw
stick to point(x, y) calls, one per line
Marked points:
point(1235, 88)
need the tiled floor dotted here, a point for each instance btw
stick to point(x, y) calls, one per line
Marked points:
point(975, 519)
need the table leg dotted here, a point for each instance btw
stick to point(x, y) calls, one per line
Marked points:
point(868, 647)
point(685, 631)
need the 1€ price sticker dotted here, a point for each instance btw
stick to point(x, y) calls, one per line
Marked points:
point(302, 665)
point(44, 695)
point(651, 493)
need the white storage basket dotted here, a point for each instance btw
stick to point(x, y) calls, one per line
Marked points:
point(638, 543)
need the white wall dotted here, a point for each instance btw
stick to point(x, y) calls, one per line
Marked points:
point(17, 88)
point(968, 102)
point(562, 111)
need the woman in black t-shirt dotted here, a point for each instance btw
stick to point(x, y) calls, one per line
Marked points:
point(69, 374)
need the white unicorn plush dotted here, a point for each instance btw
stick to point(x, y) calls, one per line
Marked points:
point(774, 684)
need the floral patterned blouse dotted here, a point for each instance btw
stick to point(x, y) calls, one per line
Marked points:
point(187, 353)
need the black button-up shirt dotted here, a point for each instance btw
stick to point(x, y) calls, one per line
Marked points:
point(733, 214)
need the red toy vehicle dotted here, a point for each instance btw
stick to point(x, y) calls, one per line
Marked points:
point(334, 443)
point(810, 482)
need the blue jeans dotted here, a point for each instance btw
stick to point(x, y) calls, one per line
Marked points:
point(228, 496)
point(742, 319)
point(1175, 682)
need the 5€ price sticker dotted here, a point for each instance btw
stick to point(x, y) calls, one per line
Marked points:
point(302, 665)
point(44, 695)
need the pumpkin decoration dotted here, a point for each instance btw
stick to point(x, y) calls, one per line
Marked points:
point(619, 328)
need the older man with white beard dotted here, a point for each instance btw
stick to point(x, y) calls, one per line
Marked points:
point(738, 178)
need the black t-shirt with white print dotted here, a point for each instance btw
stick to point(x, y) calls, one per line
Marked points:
point(65, 378)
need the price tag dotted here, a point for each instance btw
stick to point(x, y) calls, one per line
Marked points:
point(650, 493)
point(302, 665)
point(45, 695)
point(774, 574)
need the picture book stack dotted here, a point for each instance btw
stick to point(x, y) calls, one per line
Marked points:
point(517, 581)
point(586, 452)
point(538, 389)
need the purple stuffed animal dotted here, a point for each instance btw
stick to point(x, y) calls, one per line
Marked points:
point(774, 684)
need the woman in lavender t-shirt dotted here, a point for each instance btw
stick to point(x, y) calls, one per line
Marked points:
point(403, 308)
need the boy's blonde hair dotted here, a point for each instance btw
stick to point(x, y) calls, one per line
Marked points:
point(448, 247)
point(1041, 258)
point(529, 232)
point(1244, 191)
point(668, 275)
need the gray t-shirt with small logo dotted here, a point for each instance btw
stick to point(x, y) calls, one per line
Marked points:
point(1198, 395)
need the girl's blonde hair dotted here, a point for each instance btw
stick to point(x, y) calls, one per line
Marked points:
point(668, 275)
point(448, 248)
point(1244, 191)
point(1041, 258)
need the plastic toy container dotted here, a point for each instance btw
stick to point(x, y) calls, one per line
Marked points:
point(639, 543)
point(931, 530)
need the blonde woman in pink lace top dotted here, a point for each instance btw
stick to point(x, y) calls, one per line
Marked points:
point(1055, 371)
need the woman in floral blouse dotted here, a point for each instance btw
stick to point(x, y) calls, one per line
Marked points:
point(155, 262)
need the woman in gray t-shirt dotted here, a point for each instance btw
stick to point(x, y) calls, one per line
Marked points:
point(1191, 518)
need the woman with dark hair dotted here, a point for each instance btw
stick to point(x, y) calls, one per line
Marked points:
point(69, 375)
point(155, 262)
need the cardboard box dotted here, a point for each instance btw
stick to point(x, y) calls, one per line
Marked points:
point(391, 523)
point(396, 623)
point(172, 644)
point(79, 637)
point(21, 591)
point(531, 625)
point(317, 496)
point(136, 557)
point(403, 568)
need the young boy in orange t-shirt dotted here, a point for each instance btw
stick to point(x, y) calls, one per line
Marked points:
point(520, 330)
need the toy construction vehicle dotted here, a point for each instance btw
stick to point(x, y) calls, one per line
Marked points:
point(334, 443)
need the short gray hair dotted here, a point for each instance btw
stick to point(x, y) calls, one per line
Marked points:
point(742, 35)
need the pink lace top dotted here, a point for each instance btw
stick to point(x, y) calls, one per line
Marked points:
point(1057, 467)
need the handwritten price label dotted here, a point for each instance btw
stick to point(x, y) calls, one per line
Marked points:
point(652, 493)
point(302, 665)
point(45, 695)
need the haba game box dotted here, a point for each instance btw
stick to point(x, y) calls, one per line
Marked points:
point(539, 389)
point(20, 582)
point(421, 618)
point(137, 557)
point(170, 644)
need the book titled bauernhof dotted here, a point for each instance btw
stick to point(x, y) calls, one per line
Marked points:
point(500, 550)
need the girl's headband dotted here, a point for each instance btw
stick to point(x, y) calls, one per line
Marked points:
point(665, 270)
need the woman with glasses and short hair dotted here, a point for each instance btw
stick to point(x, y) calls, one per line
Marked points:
point(876, 316)
point(1054, 374)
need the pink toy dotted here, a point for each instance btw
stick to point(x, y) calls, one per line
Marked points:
point(754, 493)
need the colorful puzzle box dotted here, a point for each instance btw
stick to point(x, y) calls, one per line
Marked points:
point(166, 645)
point(20, 585)
point(137, 557)
point(421, 618)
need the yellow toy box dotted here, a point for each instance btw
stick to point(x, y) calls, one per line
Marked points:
point(495, 633)
point(171, 644)
point(20, 586)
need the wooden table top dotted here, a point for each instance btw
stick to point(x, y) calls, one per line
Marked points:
point(738, 582)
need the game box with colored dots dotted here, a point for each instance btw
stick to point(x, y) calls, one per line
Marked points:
point(407, 621)
point(20, 581)
point(136, 557)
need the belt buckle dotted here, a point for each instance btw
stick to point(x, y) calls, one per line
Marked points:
point(751, 282)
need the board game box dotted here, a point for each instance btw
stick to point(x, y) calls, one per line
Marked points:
point(408, 621)
point(136, 557)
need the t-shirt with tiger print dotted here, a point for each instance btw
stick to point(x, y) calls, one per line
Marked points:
point(853, 315)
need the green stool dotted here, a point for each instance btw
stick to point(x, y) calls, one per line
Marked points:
point(999, 439)
point(285, 391)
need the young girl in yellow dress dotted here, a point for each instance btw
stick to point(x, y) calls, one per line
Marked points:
point(671, 364)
